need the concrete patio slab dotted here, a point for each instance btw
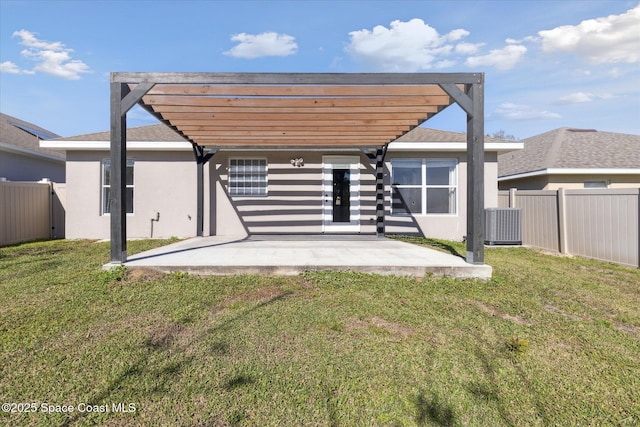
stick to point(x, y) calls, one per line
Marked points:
point(291, 255)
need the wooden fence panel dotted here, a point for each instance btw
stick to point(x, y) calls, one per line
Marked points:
point(539, 219)
point(602, 224)
point(25, 211)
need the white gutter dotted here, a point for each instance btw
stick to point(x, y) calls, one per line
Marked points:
point(453, 146)
point(186, 146)
point(573, 171)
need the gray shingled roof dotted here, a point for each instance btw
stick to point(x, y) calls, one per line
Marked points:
point(567, 148)
point(152, 133)
point(162, 133)
point(422, 134)
point(21, 139)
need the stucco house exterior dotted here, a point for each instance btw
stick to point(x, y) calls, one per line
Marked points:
point(22, 158)
point(572, 159)
point(275, 190)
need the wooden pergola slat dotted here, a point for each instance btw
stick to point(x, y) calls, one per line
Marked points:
point(279, 110)
point(298, 90)
point(346, 121)
point(296, 110)
point(251, 127)
point(297, 102)
point(293, 116)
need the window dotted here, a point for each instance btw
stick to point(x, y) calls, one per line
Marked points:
point(106, 186)
point(248, 177)
point(595, 184)
point(423, 187)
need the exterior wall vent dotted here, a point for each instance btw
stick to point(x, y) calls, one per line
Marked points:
point(502, 226)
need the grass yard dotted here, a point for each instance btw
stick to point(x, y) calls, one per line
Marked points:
point(549, 341)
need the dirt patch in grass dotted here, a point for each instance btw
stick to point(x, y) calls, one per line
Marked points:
point(494, 311)
point(141, 274)
point(255, 296)
point(632, 330)
point(395, 329)
point(163, 337)
point(555, 310)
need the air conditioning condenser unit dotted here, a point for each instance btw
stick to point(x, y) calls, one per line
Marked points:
point(502, 226)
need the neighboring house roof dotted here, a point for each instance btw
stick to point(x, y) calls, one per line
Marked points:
point(158, 137)
point(421, 138)
point(567, 150)
point(24, 138)
point(158, 133)
point(161, 137)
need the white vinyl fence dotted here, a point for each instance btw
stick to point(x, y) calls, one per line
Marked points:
point(30, 211)
point(602, 224)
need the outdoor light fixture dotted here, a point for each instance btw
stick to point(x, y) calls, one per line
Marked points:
point(297, 163)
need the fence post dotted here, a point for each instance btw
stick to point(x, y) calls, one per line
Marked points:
point(512, 197)
point(562, 222)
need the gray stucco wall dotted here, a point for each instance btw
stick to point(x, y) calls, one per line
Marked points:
point(165, 182)
point(19, 167)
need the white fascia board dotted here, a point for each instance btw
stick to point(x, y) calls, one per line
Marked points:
point(106, 145)
point(453, 146)
point(573, 171)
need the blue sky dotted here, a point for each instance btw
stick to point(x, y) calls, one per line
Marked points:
point(547, 64)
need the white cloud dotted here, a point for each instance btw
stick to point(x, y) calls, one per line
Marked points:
point(576, 98)
point(9, 67)
point(51, 58)
point(503, 59)
point(404, 46)
point(456, 35)
point(516, 112)
point(29, 39)
point(468, 48)
point(610, 39)
point(445, 63)
point(520, 41)
point(582, 97)
point(251, 46)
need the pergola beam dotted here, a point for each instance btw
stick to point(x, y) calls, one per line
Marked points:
point(313, 79)
point(475, 174)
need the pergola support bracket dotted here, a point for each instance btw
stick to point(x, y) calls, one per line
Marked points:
point(122, 100)
point(380, 156)
point(201, 159)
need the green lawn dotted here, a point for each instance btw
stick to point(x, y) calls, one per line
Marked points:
point(548, 341)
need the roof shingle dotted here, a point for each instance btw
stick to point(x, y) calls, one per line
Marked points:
point(567, 148)
point(153, 133)
point(11, 134)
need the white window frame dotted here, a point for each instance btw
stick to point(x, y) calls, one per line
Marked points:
point(103, 186)
point(424, 186)
point(230, 182)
